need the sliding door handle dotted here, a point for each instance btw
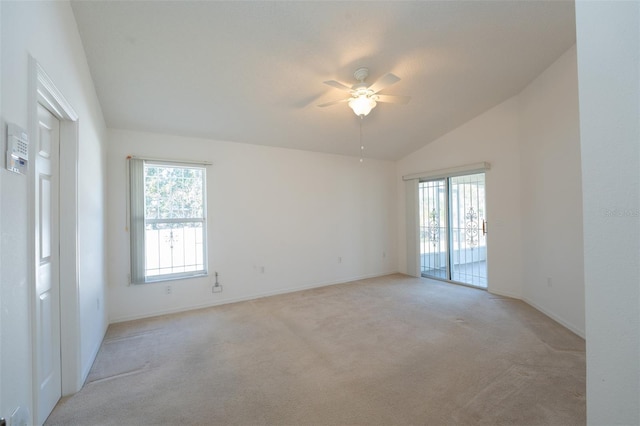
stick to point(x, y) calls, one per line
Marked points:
point(484, 227)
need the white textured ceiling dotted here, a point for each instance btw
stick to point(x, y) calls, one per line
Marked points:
point(252, 72)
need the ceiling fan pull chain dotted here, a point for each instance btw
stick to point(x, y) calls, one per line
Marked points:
point(361, 144)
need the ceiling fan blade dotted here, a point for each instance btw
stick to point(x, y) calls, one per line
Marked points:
point(333, 102)
point(393, 99)
point(338, 85)
point(384, 82)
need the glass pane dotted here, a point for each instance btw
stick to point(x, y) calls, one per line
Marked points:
point(468, 242)
point(433, 228)
point(172, 192)
point(172, 248)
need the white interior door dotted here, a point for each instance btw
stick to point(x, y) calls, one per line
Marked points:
point(47, 351)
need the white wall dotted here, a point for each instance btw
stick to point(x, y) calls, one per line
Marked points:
point(552, 256)
point(2, 148)
point(292, 212)
point(491, 137)
point(534, 199)
point(608, 39)
point(48, 32)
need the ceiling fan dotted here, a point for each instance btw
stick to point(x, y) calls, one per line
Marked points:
point(364, 98)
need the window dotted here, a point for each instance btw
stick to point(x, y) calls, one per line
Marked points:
point(168, 220)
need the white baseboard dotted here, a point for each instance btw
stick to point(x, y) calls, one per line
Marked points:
point(254, 296)
point(556, 318)
point(505, 294)
point(245, 298)
point(537, 307)
point(94, 353)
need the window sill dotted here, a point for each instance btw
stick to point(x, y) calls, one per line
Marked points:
point(166, 278)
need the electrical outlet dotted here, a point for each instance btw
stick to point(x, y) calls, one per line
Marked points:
point(168, 289)
point(339, 259)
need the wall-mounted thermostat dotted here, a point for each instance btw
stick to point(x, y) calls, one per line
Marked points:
point(17, 149)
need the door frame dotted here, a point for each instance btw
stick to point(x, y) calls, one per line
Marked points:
point(412, 222)
point(43, 91)
point(448, 188)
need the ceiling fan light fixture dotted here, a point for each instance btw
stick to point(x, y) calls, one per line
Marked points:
point(362, 105)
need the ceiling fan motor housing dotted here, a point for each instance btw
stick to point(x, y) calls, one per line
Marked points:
point(361, 74)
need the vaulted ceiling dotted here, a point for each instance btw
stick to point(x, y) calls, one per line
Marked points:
point(253, 72)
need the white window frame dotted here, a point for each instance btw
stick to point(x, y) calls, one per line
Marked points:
point(138, 221)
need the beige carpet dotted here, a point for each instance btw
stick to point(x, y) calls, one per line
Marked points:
point(394, 350)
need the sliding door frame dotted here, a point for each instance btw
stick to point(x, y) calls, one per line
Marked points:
point(412, 183)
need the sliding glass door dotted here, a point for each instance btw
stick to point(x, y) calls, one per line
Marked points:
point(434, 234)
point(468, 219)
point(453, 243)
